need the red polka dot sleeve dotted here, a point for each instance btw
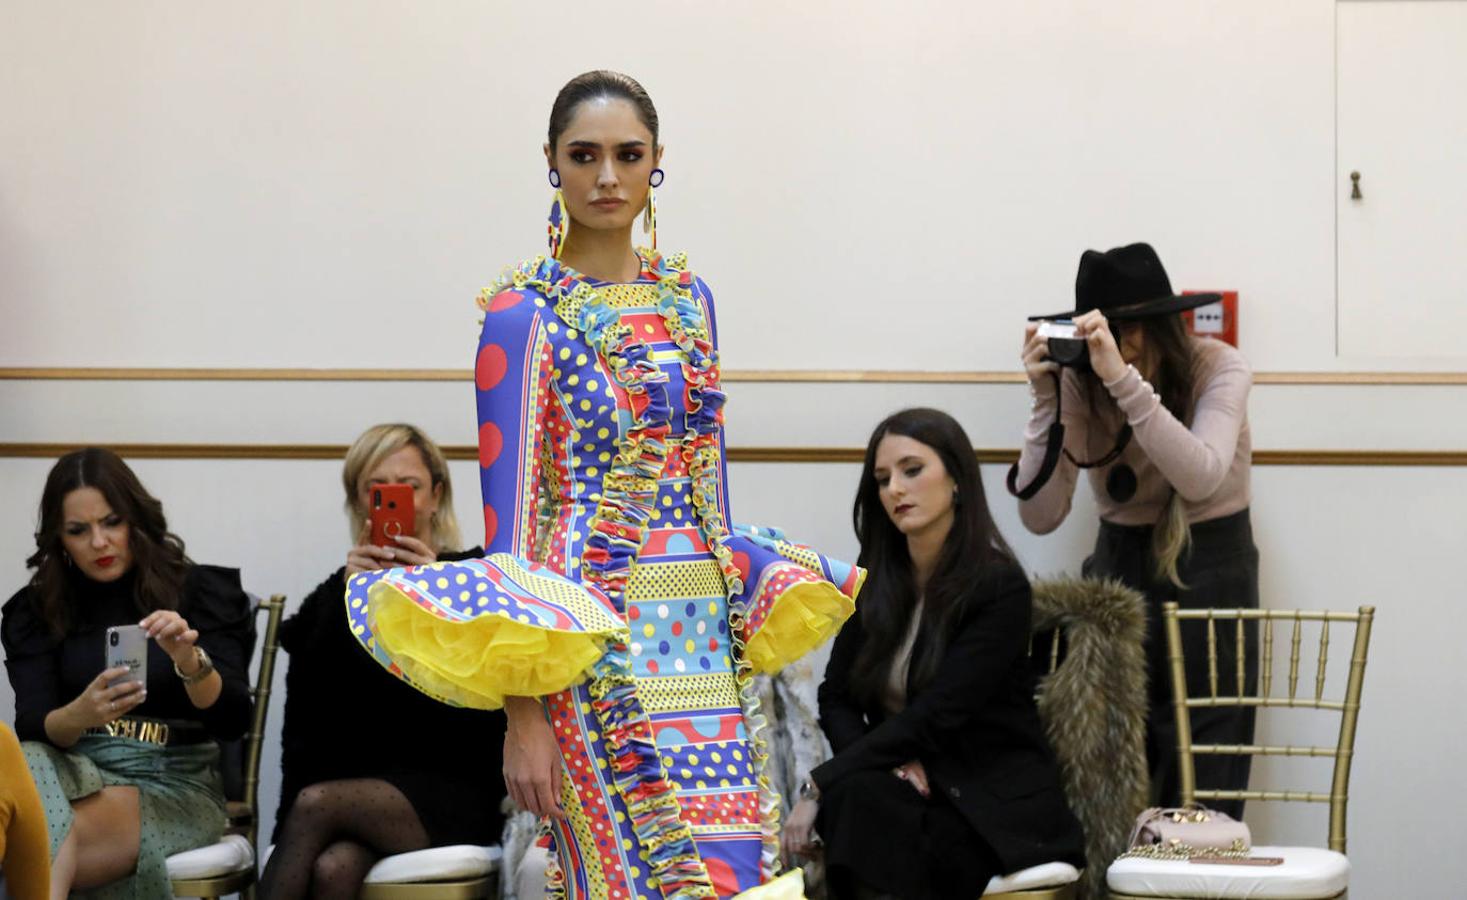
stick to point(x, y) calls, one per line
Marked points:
point(512, 382)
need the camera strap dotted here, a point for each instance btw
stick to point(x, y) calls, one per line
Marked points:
point(1123, 437)
point(1055, 446)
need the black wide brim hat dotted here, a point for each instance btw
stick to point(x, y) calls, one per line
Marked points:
point(1125, 284)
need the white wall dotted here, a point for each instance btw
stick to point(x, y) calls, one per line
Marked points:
point(269, 184)
point(294, 175)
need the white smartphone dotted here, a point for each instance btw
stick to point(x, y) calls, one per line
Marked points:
point(127, 645)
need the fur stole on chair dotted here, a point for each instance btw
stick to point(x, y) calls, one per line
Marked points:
point(1094, 709)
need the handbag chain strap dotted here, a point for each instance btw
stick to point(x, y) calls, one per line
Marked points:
point(1177, 849)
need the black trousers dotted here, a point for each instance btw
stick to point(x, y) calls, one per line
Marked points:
point(881, 837)
point(1220, 570)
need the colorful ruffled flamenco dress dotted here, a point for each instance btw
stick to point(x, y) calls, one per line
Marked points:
point(612, 586)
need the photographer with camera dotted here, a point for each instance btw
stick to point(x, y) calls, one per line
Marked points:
point(1159, 418)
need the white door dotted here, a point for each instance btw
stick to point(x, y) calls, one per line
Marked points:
point(1402, 125)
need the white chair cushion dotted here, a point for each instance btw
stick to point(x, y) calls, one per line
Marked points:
point(1051, 874)
point(454, 863)
point(1306, 872)
point(232, 854)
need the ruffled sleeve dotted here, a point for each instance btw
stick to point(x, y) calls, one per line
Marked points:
point(793, 598)
point(471, 633)
point(512, 376)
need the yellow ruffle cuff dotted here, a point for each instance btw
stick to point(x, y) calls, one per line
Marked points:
point(793, 598)
point(474, 632)
point(801, 619)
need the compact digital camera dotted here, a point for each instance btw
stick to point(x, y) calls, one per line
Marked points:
point(1065, 346)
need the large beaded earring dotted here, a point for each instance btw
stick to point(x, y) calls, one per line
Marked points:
point(559, 223)
point(649, 215)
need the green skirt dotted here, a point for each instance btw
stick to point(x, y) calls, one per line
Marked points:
point(180, 797)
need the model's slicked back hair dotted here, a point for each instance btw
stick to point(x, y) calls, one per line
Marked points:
point(599, 84)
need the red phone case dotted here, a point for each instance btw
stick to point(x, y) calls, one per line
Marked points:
point(390, 509)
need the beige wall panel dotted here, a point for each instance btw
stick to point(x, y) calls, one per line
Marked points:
point(1329, 537)
point(296, 185)
point(1283, 417)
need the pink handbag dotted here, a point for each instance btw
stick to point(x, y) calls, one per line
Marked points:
point(1184, 833)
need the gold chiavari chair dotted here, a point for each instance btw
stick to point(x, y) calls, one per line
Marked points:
point(1308, 872)
point(229, 866)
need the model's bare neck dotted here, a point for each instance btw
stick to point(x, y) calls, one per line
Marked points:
point(603, 254)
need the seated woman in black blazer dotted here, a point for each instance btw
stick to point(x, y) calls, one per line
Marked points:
point(941, 777)
point(370, 766)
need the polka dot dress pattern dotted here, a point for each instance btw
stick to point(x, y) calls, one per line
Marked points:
point(553, 417)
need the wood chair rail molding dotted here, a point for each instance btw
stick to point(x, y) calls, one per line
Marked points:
point(754, 376)
point(988, 455)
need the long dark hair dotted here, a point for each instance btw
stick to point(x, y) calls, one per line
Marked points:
point(158, 560)
point(1174, 376)
point(600, 83)
point(890, 595)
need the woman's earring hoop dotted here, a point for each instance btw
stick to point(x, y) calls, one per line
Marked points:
point(649, 214)
point(558, 227)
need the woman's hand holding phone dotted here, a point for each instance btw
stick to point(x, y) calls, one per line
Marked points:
point(368, 557)
point(102, 701)
point(174, 635)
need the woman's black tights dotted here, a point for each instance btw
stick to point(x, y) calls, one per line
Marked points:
point(335, 832)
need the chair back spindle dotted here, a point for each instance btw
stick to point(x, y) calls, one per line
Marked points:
point(242, 881)
point(274, 609)
point(1349, 706)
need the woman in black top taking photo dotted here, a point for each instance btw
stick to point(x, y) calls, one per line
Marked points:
point(128, 773)
point(928, 699)
point(365, 757)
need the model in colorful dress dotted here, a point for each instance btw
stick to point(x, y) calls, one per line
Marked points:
point(618, 617)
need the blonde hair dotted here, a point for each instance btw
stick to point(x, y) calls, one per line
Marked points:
point(1170, 539)
point(381, 441)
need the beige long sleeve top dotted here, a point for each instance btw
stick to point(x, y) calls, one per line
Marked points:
point(1207, 463)
point(894, 699)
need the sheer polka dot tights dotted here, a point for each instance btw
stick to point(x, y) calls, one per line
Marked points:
point(334, 834)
